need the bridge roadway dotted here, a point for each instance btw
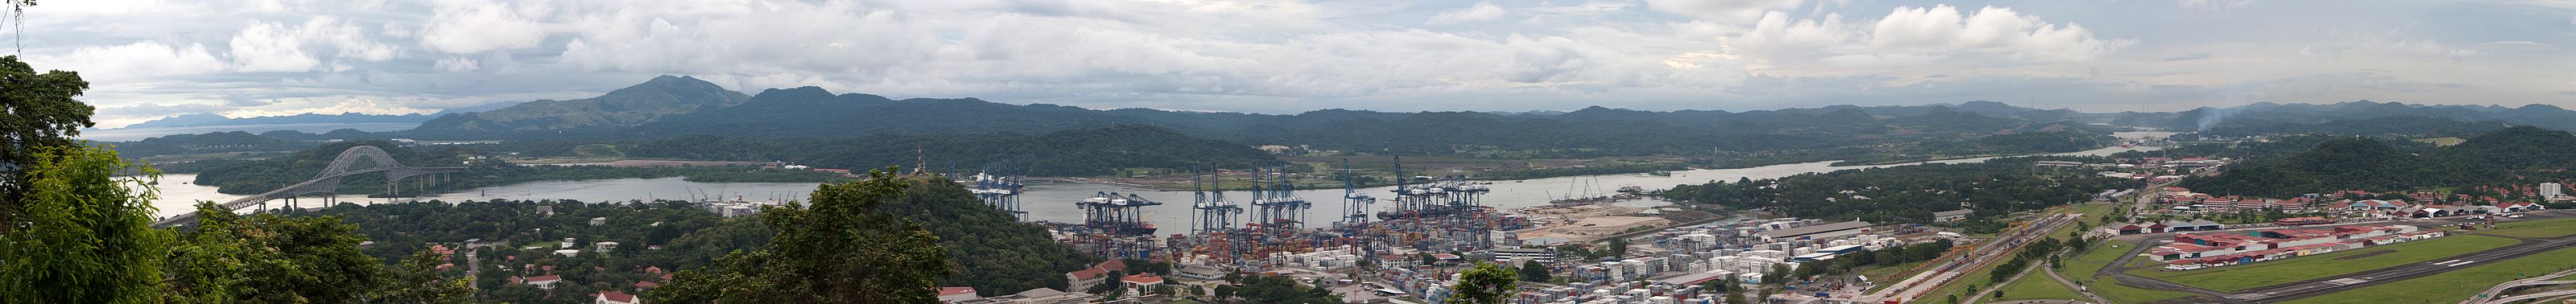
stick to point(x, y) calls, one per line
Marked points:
point(2320, 286)
point(354, 161)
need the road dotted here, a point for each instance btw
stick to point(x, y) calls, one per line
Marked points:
point(2320, 286)
point(1950, 269)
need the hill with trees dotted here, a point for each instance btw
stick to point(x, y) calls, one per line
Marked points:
point(2514, 155)
point(1907, 193)
point(660, 97)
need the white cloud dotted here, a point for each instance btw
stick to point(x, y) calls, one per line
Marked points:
point(273, 47)
point(2215, 5)
point(455, 64)
point(2513, 44)
point(462, 27)
point(269, 47)
point(138, 61)
point(1992, 30)
point(1481, 12)
point(1729, 11)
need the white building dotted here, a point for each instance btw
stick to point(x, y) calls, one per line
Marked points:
point(2551, 190)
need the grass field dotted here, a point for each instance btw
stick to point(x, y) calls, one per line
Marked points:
point(2037, 286)
point(2451, 287)
point(2233, 278)
point(2080, 269)
point(2536, 229)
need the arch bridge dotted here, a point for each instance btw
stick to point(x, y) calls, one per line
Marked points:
point(354, 161)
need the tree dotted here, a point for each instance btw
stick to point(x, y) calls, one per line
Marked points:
point(1533, 271)
point(1779, 274)
point(419, 281)
point(837, 250)
point(85, 235)
point(1486, 284)
point(37, 113)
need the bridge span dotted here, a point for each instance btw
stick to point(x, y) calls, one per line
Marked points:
point(354, 161)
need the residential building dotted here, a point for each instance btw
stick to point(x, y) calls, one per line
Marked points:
point(956, 294)
point(614, 297)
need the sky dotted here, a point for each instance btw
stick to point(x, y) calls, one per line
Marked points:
point(147, 59)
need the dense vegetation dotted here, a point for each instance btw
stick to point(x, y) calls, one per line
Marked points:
point(1908, 193)
point(256, 176)
point(1081, 152)
point(664, 109)
point(998, 259)
point(2517, 155)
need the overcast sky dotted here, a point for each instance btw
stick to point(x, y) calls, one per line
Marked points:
point(155, 58)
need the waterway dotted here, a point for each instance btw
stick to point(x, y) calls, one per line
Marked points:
point(1054, 201)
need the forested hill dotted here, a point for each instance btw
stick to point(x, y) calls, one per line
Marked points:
point(1080, 152)
point(2516, 155)
point(809, 113)
point(2265, 115)
point(994, 254)
point(646, 102)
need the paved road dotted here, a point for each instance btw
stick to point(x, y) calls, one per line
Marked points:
point(2320, 286)
point(2087, 292)
point(1993, 251)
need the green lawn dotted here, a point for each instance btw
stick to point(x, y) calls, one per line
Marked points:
point(2241, 277)
point(2037, 286)
point(2451, 287)
point(2081, 269)
point(2536, 229)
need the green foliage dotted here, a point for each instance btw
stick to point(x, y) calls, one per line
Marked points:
point(256, 176)
point(1486, 284)
point(83, 235)
point(1533, 271)
point(838, 250)
point(1908, 193)
point(37, 112)
point(2515, 155)
point(992, 252)
point(418, 280)
point(1077, 152)
point(1278, 289)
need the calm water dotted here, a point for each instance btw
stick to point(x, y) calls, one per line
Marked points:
point(1053, 201)
point(134, 134)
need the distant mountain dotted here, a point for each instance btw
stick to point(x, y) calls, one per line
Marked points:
point(200, 120)
point(2265, 113)
point(660, 97)
point(480, 108)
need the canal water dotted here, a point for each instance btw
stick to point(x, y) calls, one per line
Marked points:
point(1054, 201)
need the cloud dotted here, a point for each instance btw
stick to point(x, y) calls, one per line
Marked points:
point(462, 27)
point(1723, 11)
point(269, 47)
point(1992, 30)
point(456, 64)
point(138, 61)
point(1481, 12)
point(2513, 44)
point(2215, 5)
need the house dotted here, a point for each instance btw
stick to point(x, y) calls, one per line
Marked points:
point(2159, 228)
point(614, 297)
point(1142, 282)
point(1952, 215)
point(1086, 277)
point(956, 294)
point(2131, 229)
point(542, 282)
